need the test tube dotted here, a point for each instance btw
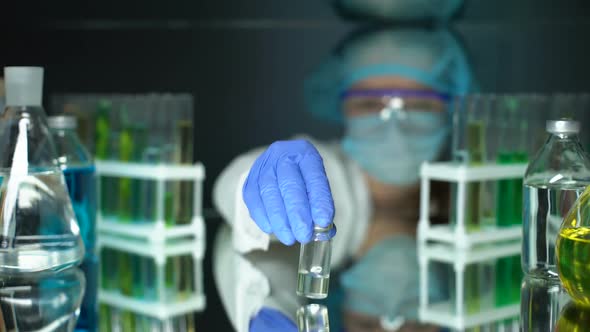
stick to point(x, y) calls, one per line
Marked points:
point(313, 318)
point(314, 264)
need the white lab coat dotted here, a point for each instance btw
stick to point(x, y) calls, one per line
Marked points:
point(249, 275)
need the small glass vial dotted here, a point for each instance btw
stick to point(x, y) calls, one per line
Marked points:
point(313, 318)
point(314, 264)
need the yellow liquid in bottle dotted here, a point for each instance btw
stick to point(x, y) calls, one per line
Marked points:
point(573, 263)
point(573, 319)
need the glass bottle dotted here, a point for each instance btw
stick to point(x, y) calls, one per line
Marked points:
point(38, 228)
point(573, 251)
point(553, 181)
point(79, 172)
point(314, 264)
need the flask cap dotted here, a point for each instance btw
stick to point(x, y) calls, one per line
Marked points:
point(62, 122)
point(563, 126)
point(323, 229)
point(24, 86)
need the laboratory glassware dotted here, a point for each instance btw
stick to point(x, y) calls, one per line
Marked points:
point(78, 167)
point(573, 251)
point(313, 318)
point(314, 264)
point(37, 222)
point(574, 318)
point(553, 181)
point(541, 301)
point(44, 301)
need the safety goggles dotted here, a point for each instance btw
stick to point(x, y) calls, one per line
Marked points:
point(389, 102)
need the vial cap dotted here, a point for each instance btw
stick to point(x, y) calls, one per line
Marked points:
point(24, 86)
point(563, 126)
point(323, 229)
point(62, 122)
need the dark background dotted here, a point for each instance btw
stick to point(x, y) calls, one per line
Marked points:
point(245, 60)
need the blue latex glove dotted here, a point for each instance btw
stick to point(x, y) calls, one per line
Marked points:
point(287, 191)
point(271, 320)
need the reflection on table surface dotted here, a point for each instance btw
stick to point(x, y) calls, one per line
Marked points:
point(313, 318)
point(541, 302)
point(46, 301)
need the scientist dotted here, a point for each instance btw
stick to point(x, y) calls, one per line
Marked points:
point(390, 90)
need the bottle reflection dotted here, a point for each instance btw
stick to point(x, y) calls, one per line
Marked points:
point(48, 301)
point(313, 318)
point(573, 318)
point(540, 303)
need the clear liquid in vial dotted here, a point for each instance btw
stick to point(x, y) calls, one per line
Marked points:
point(312, 284)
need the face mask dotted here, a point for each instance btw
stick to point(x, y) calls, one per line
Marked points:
point(391, 145)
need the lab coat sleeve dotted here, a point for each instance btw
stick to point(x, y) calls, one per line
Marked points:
point(224, 188)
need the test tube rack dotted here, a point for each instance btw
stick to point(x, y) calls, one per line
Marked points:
point(155, 239)
point(156, 231)
point(454, 245)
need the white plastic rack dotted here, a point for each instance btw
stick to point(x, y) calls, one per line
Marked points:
point(154, 239)
point(155, 230)
point(454, 245)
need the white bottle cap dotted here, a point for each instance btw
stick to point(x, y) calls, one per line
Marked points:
point(24, 86)
point(563, 126)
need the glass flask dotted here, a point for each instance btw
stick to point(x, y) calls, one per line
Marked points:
point(541, 301)
point(78, 168)
point(573, 251)
point(573, 318)
point(314, 264)
point(38, 228)
point(553, 181)
point(45, 301)
point(313, 318)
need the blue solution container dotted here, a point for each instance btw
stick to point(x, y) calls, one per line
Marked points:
point(79, 172)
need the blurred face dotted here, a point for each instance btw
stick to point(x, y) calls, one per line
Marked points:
point(393, 124)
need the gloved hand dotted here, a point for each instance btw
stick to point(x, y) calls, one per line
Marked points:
point(287, 191)
point(271, 320)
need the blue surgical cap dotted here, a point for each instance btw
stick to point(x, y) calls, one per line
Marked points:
point(432, 57)
point(385, 282)
point(399, 10)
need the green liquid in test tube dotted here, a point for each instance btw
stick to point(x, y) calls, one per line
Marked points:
point(169, 208)
point(509, 213)
point(109, 275)
point(103, 131)
point(127, 321)
point(125, 273)
point(105, 318)
point(125, 154)
point(171, 273)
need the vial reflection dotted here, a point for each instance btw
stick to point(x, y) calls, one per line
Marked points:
point(313, 318)
point(540, 303)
